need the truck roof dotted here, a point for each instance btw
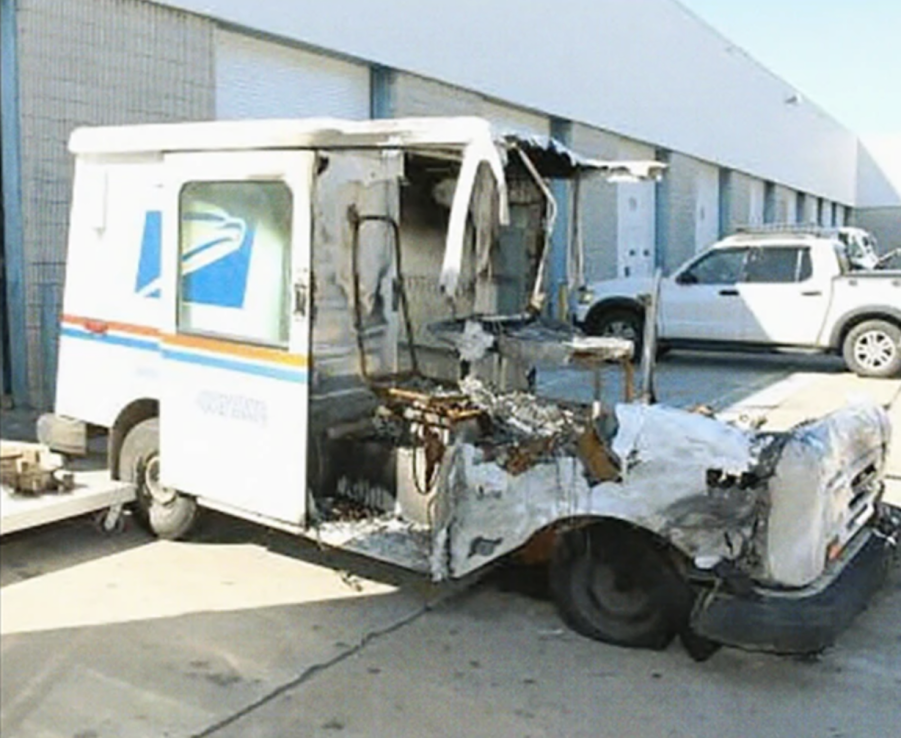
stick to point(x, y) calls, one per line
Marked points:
point(775, 238)
point(449, 133)
point(454, 132)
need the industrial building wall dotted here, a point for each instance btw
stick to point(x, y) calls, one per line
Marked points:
point(257, 78)
point(598, 205)
point(618, 225)
point(618, 221)
point(413, 96)
point(808, 212)
point(705, 203)
point(884, 223)
point(91, 62)
point(615, 65)
point(128, 61)
point(692, 199)
point(745, 202)
point(785, 201)
point(879, 189)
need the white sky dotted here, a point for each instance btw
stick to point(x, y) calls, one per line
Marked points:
point(842, 55)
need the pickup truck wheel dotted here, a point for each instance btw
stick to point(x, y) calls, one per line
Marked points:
point(619, 323)
point(618, 587)
point(873, 349)
point(166, 512)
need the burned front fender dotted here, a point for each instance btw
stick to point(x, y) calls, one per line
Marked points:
point(769, 504)
point(658, 477)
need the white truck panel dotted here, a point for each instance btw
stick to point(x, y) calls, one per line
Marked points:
point(109, 334)
point(236, 261)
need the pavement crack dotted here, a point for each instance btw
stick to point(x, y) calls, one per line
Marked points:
point(316, 669)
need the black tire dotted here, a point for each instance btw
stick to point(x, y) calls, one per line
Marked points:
point(873, 349)
point(617, 586)
point(619, 323)
point(698, 647)
point(171, 518)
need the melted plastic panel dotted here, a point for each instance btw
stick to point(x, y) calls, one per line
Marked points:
point(353, 266)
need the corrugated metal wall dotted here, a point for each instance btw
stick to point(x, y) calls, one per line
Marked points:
point(785, 202)
point(91, 62)
point(598, 204)
point(692, 194)
point(810, 209)
point(417, 96)
point(706, 204)
point(261, 79)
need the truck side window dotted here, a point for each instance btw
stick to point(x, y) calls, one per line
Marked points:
point(234, 270)
point(805, 267)
point(775, 265)
point(723, 266)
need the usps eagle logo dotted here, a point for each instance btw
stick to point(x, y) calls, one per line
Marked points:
point(215, 256)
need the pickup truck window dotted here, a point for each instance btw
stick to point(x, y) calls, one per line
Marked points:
point(723, 266)
point(777, 264)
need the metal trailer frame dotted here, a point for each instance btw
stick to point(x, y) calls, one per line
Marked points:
point(94, 491)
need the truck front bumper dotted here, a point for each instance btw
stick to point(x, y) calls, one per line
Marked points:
point(803, 620)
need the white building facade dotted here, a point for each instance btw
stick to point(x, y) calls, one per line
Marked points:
point(612, 78)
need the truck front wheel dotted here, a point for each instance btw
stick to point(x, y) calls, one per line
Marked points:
point(873, 349)
point(614, 585)
point(166, 512)
point(618, 323)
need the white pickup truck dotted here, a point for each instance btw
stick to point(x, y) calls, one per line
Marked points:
point(763, 291)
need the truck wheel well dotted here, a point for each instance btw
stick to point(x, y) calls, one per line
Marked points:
point(607, 306)
point(131, 415)
point(539, 548)
point(856, 320)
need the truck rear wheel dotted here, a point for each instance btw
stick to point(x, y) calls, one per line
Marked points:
point(166, 512)
point(613, 585)
point(873, 349)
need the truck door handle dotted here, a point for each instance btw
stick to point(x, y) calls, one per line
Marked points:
point(729, 293)
point(812, 293)
point(300, 298)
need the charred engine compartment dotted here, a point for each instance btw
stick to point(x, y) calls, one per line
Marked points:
point(383, 396)
point(390, 463)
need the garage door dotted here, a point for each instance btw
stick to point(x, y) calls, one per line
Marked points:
point(635, 218)
point(756, 197)
point(707, 206)
point(263, 79)
point(415, 96)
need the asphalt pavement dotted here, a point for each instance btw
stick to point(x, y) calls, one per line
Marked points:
point(244, 631)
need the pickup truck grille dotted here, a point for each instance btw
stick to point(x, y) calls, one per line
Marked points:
point(824, 489)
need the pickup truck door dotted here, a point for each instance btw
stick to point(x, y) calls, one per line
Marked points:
point(781, 300)
point(235, 291)
point(701, 301)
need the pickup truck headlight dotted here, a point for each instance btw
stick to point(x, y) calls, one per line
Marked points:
point(585, 296)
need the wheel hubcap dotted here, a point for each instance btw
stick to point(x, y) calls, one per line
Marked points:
point(620, 329)
point(620, 598)
point(158, 493)
point(874, 350)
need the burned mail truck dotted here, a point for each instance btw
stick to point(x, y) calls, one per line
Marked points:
point(329, 327)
